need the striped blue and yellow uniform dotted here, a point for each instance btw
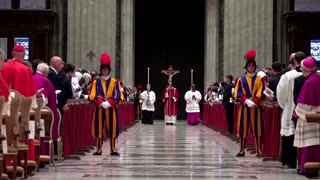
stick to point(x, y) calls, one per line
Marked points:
point(105, 121)
point(251, 88)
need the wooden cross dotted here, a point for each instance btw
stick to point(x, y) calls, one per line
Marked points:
point(170, 72)
point(91, 55)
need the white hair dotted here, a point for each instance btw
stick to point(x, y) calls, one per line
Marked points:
point(87, 77)
point(43, 68)
point(1, 54)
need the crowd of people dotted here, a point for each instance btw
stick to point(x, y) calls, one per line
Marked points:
point(294, 88)
point(57, 82)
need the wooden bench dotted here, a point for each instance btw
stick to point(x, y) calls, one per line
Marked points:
point(11, 123)
point(2, 138)
point(312, 166)
point(24, 132)
point(36, 114)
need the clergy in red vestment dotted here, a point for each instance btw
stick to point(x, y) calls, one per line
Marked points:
point(170, 98)
point(4, 89)
point(19, 77)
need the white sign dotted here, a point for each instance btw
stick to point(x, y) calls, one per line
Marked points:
point(32, 129)
point(4, 142)
point(42, 132)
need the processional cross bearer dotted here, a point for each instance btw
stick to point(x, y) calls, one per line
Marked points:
point(170, 72)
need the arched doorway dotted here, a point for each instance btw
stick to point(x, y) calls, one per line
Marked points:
point(169, 33)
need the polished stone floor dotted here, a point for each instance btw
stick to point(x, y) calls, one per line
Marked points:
point(169, 152)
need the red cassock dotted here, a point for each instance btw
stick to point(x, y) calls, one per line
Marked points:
point(171, 109)
point(19, 77)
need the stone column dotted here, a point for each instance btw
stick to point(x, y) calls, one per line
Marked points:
point(283, 7)
point(91, 27)
point(211, 42)
point(247, 25)
point(127, 43)
point(58, 45)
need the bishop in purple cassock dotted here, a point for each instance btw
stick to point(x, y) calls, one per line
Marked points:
point(307, 137)
point(40, 77)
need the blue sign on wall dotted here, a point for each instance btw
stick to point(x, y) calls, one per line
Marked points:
point(25, 42)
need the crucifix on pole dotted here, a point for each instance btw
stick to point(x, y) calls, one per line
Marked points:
point(170, 72)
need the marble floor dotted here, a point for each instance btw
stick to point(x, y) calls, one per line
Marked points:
point(169, 152)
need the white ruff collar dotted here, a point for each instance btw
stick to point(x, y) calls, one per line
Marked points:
point(251, 74)
point(105, 77)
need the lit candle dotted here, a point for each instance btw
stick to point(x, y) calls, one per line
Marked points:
point(191, 76)
point(148, 74)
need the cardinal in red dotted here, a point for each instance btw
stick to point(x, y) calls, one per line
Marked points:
point(170, 98)
point(4, 90)
point(19, 77)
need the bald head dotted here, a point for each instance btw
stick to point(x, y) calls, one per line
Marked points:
point(54, 60)
point(292, 57)
point(57, 63)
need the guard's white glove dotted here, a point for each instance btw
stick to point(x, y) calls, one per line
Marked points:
point(250, 103)
point(174, 99)
point(167, 95)
point(261, 74)
point(86, 96)
point(105, 104)
point(140, 101)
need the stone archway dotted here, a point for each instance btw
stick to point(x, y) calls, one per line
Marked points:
point(169, 33)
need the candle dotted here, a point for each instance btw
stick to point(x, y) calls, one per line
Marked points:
point(148, 74)
point(191, 76)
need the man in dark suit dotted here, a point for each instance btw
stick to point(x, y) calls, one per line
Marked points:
point(56, 66)
point(274, 80)
point(227, 94)
point(65, 78)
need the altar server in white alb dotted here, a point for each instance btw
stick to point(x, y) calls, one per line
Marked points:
point(148, 98)
point(193, 97)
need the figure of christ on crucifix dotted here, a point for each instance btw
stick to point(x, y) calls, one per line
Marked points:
point(170, 98)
